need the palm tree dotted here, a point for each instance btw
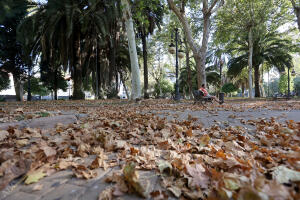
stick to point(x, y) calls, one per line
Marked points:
point(212, 77)
point(269, 48)
point(75, 29)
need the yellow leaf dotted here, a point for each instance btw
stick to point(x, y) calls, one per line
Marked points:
point(34, 177)
point(204, 140)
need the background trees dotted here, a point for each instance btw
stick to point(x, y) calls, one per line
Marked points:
point(11, 54)
point(254, 25)
point(94, 41)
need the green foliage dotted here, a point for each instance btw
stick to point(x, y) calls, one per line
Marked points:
point(297, 85)
point(283, 83)
point(147, 14)
point(43, 114)
point(4, 81)
point(270, 48)
point(229, 88)
point(165, 86)
point(183, 80)
point(51, 76)
point(236, 17)
point(12, 12)
point(36, 86)
point(273, 87)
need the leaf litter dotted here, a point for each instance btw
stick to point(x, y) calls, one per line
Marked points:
point(190, 161)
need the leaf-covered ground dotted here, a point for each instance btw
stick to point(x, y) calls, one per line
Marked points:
point(191, 158)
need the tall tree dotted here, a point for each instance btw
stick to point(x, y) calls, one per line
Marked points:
point(135, 71)
point(199, 51)
point(296, 6)
point(239, 18)
point(147, 15)
point(4, 80)
point(269, 48)
point(12, 12)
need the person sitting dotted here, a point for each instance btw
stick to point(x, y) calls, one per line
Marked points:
point(206, 94)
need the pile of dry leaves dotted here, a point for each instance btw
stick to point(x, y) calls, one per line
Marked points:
point(191, 162)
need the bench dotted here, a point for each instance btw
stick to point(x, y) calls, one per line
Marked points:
point(199, 97)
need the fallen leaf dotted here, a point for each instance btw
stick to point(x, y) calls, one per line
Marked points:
point(22, 142)
point(106, 194)
point(49, 151)
point(199, 178)
point(82, 172)
point(175, 190)
point(3, 134)
point(189, 132)
point(204, 140)
point(165, 167)
point(12, 169)
point(221, 154)
point(35, 176)
point(283, 174)
point(231, 183)
point(37, 187)
point(132, 177)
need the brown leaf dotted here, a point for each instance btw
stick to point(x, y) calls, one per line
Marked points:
point(82, 172)
point(199, 177)
point(98, 162)
point(132, 178)
point(3, 135)
point(221, 154)
point(12, 169)
point(159, 195)
point(189, 132)
point(106, 194)
point(22, 142)
point(175, 190)
point(49, 151)
point(63, 164)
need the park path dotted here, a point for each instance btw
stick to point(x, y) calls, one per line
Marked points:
point(63, 185)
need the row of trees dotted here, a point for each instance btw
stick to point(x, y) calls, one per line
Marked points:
point(96, 41)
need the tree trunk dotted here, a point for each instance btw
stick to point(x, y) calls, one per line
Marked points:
point(256, 80)
point(262, 89)
point(200, 71)
point(55, 84)
point(145, 55)
point(243, 90)
point(188, 67)
point(297, 11)
point(98, 73)
point(250, 38)
point(203, 50)
point(198, 53)
point(135, 71)
point(125, 88)
point(29, 84)
point(160, 90)
point(18, 87)
point(78, 84)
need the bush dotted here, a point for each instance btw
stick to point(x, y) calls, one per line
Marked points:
point(229, 88)
point(166, 88)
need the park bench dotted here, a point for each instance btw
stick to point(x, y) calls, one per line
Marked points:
point(199, 97)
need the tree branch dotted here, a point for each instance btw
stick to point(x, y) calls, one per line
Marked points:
point(212, 6)
point(293, 3)
point(186, 27)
